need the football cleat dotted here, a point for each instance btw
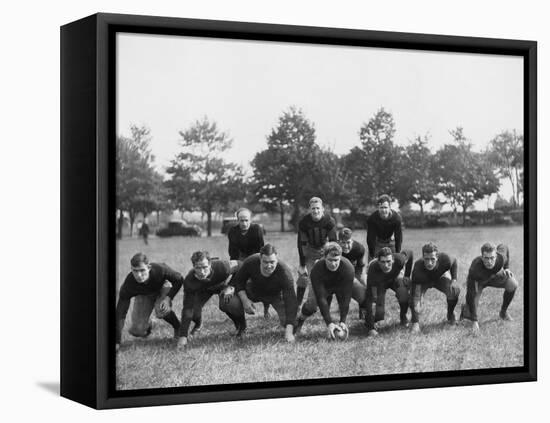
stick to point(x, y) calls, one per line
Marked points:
point(298, 326)
point(504, 315)
point(415, 327)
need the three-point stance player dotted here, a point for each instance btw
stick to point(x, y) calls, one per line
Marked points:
point(153, 286)
point(315, 229)
point(208, 277)
point(332, 275)
point(246, 238)
point(434, 270)
point(384, 228)
point(489, 269)
point(389, 270)
point(263, 277)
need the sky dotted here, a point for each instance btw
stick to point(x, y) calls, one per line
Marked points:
point(169, 82)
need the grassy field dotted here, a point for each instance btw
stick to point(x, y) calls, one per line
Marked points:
point(216, 357)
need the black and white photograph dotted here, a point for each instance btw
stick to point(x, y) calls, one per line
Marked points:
point(291, 211)
point(224, 211)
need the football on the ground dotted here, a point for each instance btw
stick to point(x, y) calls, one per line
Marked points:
point(341, 333)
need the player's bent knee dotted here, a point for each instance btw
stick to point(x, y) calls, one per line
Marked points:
point(511, 285)
point(139, 331)
point(308, 309)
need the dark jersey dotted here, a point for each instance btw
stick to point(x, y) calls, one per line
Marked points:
point(196, 291)
point(479, 273)
point(325, 283)
point(315, 234)
point(356, 257)
point(421, 275)
point(384, 229)
point(376, 276)
point(243, 245)
point(261, 287)
point(158, 275)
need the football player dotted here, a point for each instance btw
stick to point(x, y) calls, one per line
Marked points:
point(153, 287)
point(388, 270)
point(246, 238)
point(263, 277)
point(434, 270)
point(489, 269)
point(384, 228)
point(332, 275)
point(315, 229)
point(208, 277)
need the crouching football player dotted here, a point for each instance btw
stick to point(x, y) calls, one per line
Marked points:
point(262, 278)
point(208, 277)
point(332, 275)
point(388, 270)
point(434, 270)
point(489, 269)
point(355, 253)
point(153, 287)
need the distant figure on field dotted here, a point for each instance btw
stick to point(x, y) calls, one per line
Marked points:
point(144, 232)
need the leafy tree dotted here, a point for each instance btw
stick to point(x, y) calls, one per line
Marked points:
point(135, 175)
point(284, 173)
point(463, 176)
point(213, 182)
point(379, 157)
point(506, 153)
point(416, 183)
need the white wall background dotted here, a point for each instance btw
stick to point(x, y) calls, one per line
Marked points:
point(29, 96)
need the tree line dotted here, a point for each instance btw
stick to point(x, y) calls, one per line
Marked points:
point(294, 167)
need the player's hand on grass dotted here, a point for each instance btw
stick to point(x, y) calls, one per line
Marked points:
point(249, 307)
point(182, 342)
point(228, 294)
point(289, 336)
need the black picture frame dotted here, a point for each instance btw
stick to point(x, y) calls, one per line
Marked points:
point(88, 219)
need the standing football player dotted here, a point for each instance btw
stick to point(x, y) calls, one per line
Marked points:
point(389, 270)
point(153, 287)
point(384, 228)
point(315, 229)
point(489, 269)
point(246, 238)
point(434, 270)
point(208, 277)
point(263, 277)
point(331, 275)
